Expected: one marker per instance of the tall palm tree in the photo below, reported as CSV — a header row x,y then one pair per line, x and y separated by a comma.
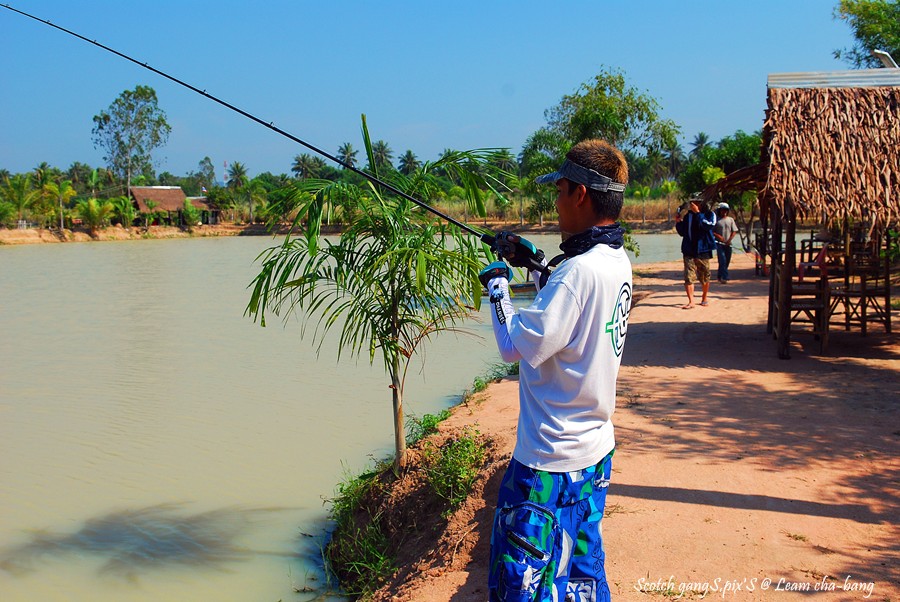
x,y
63,193
505,161
383,155
674,159
657,165
79,173
701,141
347,154
307,166
409,163
43,174
237,182
93,181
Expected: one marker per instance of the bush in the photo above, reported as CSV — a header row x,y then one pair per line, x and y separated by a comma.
x,y
419,428
358,550
452,468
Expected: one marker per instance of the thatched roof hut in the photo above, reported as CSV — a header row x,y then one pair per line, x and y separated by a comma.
x,y
830,154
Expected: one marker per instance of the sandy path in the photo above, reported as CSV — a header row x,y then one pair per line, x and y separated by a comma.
x,y
736,472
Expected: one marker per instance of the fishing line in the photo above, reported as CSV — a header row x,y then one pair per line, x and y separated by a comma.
x,y
486,238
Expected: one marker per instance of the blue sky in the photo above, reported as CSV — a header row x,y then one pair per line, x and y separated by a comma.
x,y
429,76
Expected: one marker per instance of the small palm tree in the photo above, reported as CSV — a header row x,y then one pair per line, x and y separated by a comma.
x,y
642,192
123,209
94,214
394,279
20,194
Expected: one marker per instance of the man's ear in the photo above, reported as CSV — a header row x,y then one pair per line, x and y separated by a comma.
x,y
583,195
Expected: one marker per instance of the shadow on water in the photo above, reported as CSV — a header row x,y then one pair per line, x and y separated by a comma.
x,y
143,540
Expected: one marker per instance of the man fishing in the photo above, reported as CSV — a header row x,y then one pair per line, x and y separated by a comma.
x,y
546,542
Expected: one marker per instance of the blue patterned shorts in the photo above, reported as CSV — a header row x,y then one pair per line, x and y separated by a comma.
x,y
547,543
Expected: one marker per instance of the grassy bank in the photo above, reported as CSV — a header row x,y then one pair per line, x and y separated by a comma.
x,y
379,513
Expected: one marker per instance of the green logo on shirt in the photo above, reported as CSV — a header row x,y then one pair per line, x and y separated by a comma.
x,y
618,324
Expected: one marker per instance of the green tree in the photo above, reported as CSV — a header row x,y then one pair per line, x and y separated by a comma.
x,y
7,211
382,155
62,193
712,174
393,280
237,181
675,158
44,174
409,163
129,131
875,25
190,214
347,154
79,173
643,193
701,141
124,210
93,182
542,153
94,214
19,192
730,154
307,166
206,173
608,108
668,188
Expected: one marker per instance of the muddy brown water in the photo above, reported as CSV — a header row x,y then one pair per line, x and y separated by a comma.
x,y
156,444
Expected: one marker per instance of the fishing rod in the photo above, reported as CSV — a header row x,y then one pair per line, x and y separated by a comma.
x,y
520,252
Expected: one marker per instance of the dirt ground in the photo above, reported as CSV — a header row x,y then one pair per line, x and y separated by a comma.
x,y
737,475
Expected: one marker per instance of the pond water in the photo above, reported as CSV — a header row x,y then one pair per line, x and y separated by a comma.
x,y
156,444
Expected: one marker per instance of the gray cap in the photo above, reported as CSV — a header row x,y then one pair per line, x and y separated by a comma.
x,y
581,175
723,206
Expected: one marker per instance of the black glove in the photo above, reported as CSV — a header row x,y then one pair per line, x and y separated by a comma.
x,y
520,253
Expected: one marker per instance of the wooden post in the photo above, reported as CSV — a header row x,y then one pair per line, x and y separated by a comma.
x,y
787,274
774,254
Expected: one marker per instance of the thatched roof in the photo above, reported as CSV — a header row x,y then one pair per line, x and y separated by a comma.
x,y
740,180
167,198
831,143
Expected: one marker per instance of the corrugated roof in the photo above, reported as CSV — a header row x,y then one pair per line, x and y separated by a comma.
x,y
858,78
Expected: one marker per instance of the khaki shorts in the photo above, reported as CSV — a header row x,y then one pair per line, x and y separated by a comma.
x,y
696,269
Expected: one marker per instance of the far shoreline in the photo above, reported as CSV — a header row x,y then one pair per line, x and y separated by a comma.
x,y
11,237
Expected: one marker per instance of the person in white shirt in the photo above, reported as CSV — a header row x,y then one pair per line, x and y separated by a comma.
x,y
724,231
546,542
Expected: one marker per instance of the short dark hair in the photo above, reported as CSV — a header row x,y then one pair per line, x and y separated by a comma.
x,y
605,159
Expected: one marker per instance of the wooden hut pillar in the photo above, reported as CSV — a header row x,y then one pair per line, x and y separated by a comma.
x,y
786,280
771,254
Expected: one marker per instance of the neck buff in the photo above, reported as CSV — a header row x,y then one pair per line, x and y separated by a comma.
x,y
612,235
